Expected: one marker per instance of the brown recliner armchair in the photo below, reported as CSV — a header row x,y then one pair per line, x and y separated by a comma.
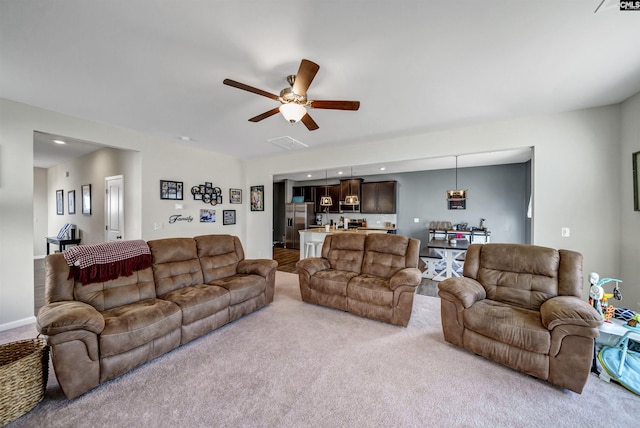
x,y
520,305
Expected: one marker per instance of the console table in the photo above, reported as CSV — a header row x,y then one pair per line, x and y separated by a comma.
x,y
61,243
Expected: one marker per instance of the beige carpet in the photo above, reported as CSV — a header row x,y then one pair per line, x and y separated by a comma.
x,y
293,364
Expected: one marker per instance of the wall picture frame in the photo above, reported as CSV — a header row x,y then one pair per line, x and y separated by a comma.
x,y
636,181
60,202
228,217
257,198
171,189
207,216
71,197
86,199
235,196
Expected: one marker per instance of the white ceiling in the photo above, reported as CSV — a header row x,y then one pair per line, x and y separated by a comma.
x,y
415,65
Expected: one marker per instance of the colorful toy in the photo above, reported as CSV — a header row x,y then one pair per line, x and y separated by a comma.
x,y
598,298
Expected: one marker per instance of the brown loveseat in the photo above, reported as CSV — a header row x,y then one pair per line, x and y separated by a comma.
x,y
520,305
374,276
101,330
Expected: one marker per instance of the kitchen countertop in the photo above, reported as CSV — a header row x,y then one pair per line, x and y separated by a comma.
x,y
352,230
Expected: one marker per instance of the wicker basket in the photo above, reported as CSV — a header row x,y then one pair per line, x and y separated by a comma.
x,y
24,370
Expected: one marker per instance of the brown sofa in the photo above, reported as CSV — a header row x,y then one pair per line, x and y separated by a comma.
x,y
374,276
520,305
99,331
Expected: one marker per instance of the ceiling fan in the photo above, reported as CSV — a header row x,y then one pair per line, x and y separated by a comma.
x,y
293,99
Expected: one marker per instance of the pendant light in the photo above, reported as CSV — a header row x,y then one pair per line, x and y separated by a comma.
x,y
326,201
457,194
351,199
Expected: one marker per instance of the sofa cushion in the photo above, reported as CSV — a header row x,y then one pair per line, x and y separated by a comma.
x,y
242,287
521,275
386,254
199,301
175,264
117,292
345,251
331,281
219,255
371,289
508,324
129,326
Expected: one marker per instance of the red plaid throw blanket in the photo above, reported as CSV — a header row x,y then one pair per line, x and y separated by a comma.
x,y
103,262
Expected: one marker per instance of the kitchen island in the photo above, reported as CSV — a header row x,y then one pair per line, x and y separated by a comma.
x,y
316,235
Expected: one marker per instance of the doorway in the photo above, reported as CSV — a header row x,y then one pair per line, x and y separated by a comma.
x,y
114,208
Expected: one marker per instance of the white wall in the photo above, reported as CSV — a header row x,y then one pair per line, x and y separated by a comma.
x,y
158,159
40,214
575,174
629,219
92,169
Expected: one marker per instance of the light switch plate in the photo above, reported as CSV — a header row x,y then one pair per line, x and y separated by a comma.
x,y
566,232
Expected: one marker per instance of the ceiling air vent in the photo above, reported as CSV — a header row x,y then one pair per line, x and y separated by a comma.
x,y
288,143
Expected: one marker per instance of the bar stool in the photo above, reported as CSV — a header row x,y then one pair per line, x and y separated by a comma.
x,y
312,249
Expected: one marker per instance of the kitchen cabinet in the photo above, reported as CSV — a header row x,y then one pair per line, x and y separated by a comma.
x,y
307,192
378,197
334,192
350,187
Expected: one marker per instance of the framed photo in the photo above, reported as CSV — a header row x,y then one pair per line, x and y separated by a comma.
x,y
171,189
228,217
235,196
71,196
86,199
257,198
636,181
60,202
207,216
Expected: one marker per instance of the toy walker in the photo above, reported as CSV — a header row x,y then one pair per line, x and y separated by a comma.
x,y
620,363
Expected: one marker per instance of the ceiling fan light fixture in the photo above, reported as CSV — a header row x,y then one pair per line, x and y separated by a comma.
x,y
292,112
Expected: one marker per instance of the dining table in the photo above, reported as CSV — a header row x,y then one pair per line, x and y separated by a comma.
x,y
450,251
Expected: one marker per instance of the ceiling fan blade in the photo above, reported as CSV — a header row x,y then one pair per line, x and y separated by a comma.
x,y
248,88
305,75
265,115
309,123
335,105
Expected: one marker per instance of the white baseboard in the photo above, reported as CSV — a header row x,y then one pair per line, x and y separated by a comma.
x,y
17,323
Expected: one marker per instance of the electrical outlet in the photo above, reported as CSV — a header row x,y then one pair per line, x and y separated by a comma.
x,y
416,220
566,232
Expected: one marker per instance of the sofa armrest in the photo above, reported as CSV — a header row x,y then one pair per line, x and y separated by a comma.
x,y
568,310
313,265
406,276
260,267
464,290
60,317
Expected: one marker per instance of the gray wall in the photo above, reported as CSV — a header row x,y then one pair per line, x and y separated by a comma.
x,y
499,194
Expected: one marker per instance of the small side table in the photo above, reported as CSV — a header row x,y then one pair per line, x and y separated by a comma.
x,y
61,243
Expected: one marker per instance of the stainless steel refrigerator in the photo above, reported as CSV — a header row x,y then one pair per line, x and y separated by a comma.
x,y
298,217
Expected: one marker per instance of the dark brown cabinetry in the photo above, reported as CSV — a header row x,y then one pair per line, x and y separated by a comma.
x,y
350,187
305,191
334,192
378,197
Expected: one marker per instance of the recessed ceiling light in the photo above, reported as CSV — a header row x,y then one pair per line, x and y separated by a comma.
x,y
185,138
382,168
339,172
59,142
309,175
